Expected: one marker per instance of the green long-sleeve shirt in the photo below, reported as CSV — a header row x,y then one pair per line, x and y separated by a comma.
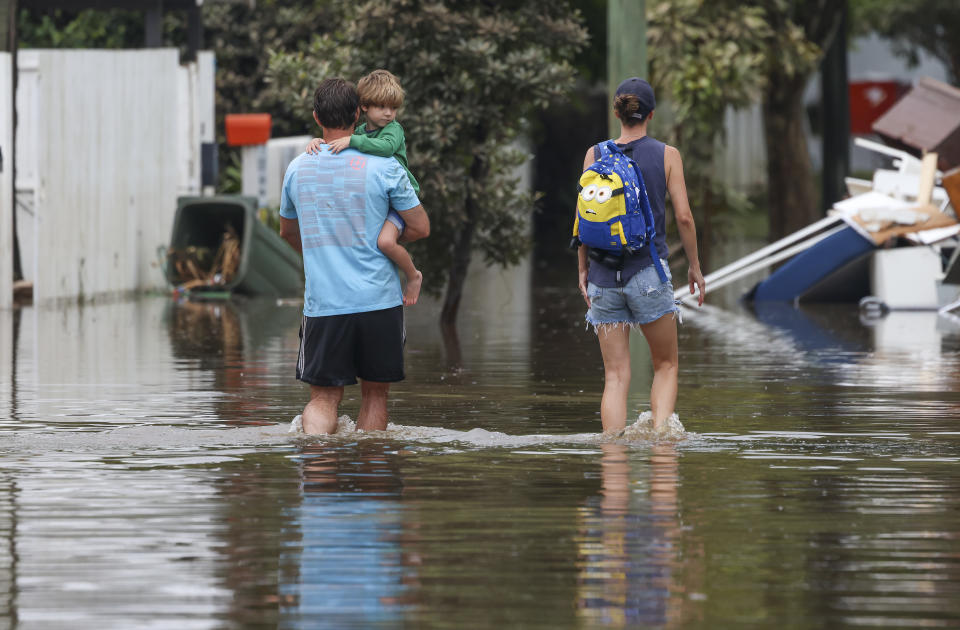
x,y
387,141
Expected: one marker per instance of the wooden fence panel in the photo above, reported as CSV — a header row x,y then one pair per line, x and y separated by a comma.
x,y
106,141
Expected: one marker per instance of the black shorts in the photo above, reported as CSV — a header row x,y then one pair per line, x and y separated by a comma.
x,y
338,349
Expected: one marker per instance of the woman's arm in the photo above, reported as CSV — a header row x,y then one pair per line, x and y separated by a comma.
x,y
673,166
583,263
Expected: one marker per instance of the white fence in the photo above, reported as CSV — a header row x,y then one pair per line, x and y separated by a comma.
x,y
6,180
106,140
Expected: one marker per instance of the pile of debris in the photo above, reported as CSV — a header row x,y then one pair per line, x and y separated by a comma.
x,y
196,267
896,240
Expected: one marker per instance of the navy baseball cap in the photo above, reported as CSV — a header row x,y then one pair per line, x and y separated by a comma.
x,y
643,91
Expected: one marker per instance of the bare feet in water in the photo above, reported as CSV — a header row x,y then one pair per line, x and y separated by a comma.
x,y
412,291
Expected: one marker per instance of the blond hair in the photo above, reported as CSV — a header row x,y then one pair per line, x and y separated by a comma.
x,y
380,88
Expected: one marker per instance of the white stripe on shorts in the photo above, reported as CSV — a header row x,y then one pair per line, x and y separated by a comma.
x,y
303,338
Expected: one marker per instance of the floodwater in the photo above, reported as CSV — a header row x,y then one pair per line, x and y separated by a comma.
x,y
147,479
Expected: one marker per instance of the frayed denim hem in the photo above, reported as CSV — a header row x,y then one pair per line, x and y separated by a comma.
x,y
598,325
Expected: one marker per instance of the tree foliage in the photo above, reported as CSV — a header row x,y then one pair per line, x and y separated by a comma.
x,y
243,37
79,29
472,72
705,55
931,26
708,55
808,27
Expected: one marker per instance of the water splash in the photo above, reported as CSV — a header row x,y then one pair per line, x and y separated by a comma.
x,y
643,429
640,431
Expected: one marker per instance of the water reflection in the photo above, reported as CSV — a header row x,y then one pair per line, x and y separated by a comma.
x,y
8,552
629,551
351,570
242,344
820,490
111,363
90,543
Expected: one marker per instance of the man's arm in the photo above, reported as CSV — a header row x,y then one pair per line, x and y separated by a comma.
x,y
386,144
290,232
417,224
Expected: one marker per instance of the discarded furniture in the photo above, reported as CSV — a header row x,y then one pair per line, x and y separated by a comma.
x,y
926,119
895,241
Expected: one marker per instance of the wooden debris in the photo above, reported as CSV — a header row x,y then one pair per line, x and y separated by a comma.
x,y
23,292
195,268
882,229
951,182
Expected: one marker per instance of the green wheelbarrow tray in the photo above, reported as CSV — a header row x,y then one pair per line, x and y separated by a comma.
x,y
268,265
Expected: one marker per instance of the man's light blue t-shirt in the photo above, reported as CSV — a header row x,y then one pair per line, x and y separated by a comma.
x,y
341,202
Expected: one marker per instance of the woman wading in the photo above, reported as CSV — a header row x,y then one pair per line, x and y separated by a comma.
x,y
632,294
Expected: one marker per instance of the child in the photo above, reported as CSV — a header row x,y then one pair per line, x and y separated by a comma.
x,y
380,98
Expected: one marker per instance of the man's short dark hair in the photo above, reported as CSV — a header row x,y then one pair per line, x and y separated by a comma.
x,y
335,103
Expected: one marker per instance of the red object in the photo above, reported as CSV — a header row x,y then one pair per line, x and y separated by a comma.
x,y
244,129
871,99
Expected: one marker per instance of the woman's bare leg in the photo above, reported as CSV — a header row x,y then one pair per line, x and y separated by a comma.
x,y
615,348
661,336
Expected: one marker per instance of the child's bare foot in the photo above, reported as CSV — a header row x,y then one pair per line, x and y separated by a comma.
x,y
412,290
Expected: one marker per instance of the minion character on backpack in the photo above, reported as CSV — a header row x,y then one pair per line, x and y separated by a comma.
x,y
613,212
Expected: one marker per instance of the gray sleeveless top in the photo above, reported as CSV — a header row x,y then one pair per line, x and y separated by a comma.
x,y
648,154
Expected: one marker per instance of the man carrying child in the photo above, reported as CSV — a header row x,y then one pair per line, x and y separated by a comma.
x,y
380,97
333,208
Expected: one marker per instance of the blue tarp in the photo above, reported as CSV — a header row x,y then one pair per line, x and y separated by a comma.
x,y
811,266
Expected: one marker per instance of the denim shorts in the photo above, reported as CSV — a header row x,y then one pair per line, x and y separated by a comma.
x,y
642,299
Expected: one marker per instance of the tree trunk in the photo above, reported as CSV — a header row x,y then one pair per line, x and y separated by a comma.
x,y
458,268
455,281
462,252
793,200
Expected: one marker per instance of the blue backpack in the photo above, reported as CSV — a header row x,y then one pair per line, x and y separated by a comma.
x,y
613,211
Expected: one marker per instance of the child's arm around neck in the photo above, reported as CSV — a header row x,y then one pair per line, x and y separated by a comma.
x,y
388,141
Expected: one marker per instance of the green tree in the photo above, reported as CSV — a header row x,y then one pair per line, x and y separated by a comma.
x,y
802,31
472,72
710,55
705,56
79,29
921,25
243,38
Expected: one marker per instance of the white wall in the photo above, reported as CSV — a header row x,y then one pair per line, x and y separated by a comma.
x,y
106,141
195,118
264,165
6,180
742,157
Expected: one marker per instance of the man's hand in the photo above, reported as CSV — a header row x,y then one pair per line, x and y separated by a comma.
x,y
314,146
695,278
583,286
338,145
